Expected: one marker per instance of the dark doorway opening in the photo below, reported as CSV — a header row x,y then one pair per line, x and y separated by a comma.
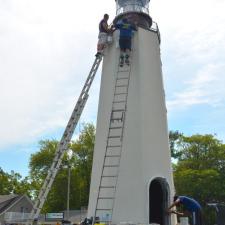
x,y
158,201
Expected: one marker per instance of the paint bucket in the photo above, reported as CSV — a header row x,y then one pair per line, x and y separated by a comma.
x,y
184,221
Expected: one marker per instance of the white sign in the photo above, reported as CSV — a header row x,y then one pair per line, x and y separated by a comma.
x,y
54,216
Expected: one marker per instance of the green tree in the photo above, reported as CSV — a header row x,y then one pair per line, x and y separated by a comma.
x,y
174,139
40,163
201,163
80,163
4,183
83,149
200,169
13,183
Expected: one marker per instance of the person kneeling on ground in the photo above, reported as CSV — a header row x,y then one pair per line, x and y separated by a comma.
x,y
192,208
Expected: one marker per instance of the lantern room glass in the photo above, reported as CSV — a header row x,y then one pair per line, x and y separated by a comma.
x,y
124,6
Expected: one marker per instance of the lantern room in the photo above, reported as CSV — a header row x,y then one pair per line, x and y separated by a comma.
x,y
136,11
124,6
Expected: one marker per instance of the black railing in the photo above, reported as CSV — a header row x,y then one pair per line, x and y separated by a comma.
x,y
155,29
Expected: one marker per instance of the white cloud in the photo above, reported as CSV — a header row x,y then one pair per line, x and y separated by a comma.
x,y
193,41
47,47
46,50
207,87
192,29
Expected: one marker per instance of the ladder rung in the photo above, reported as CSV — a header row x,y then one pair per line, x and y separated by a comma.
x,y
124,85
111,165
107,186
104,209
122,93
113,146
109,176
118,118
119,101
123,71
113,128
111,156
122,78
118,110
106,198
116,136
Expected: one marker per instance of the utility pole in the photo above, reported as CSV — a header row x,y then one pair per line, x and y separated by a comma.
x,y
69,154
68,193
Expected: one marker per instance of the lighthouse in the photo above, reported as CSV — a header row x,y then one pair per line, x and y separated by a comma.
x,y
131,179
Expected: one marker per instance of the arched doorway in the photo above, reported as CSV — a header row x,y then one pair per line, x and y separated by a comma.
x,y
158,201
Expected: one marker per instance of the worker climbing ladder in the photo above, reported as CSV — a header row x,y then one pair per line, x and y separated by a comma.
x,y
63,144
110,170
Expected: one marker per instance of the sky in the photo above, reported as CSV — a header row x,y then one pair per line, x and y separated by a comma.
x,y
47,48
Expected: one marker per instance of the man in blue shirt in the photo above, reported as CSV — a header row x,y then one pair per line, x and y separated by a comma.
x,y
126,31
192,208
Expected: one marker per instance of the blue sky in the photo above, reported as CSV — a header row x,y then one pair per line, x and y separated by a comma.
x,y
47,48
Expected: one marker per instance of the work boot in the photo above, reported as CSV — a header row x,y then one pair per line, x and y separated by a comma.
x,y
121,60
98,54
127,61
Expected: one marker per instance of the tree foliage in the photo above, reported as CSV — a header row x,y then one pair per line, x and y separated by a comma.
x,y
200,169
80,165
83,149
174,139
201,164
13,183
198,163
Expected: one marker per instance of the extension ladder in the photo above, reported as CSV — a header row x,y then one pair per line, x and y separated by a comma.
x,y
110,170
63,144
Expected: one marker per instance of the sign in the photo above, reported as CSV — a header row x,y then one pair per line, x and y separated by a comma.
x,y
54,216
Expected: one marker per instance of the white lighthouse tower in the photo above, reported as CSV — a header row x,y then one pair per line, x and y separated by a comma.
x,y
131,175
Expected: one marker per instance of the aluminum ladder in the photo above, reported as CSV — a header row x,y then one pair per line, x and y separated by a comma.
x,y
64,142
110,170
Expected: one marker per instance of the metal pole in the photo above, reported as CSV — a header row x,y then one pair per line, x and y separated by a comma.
x,y
68,194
